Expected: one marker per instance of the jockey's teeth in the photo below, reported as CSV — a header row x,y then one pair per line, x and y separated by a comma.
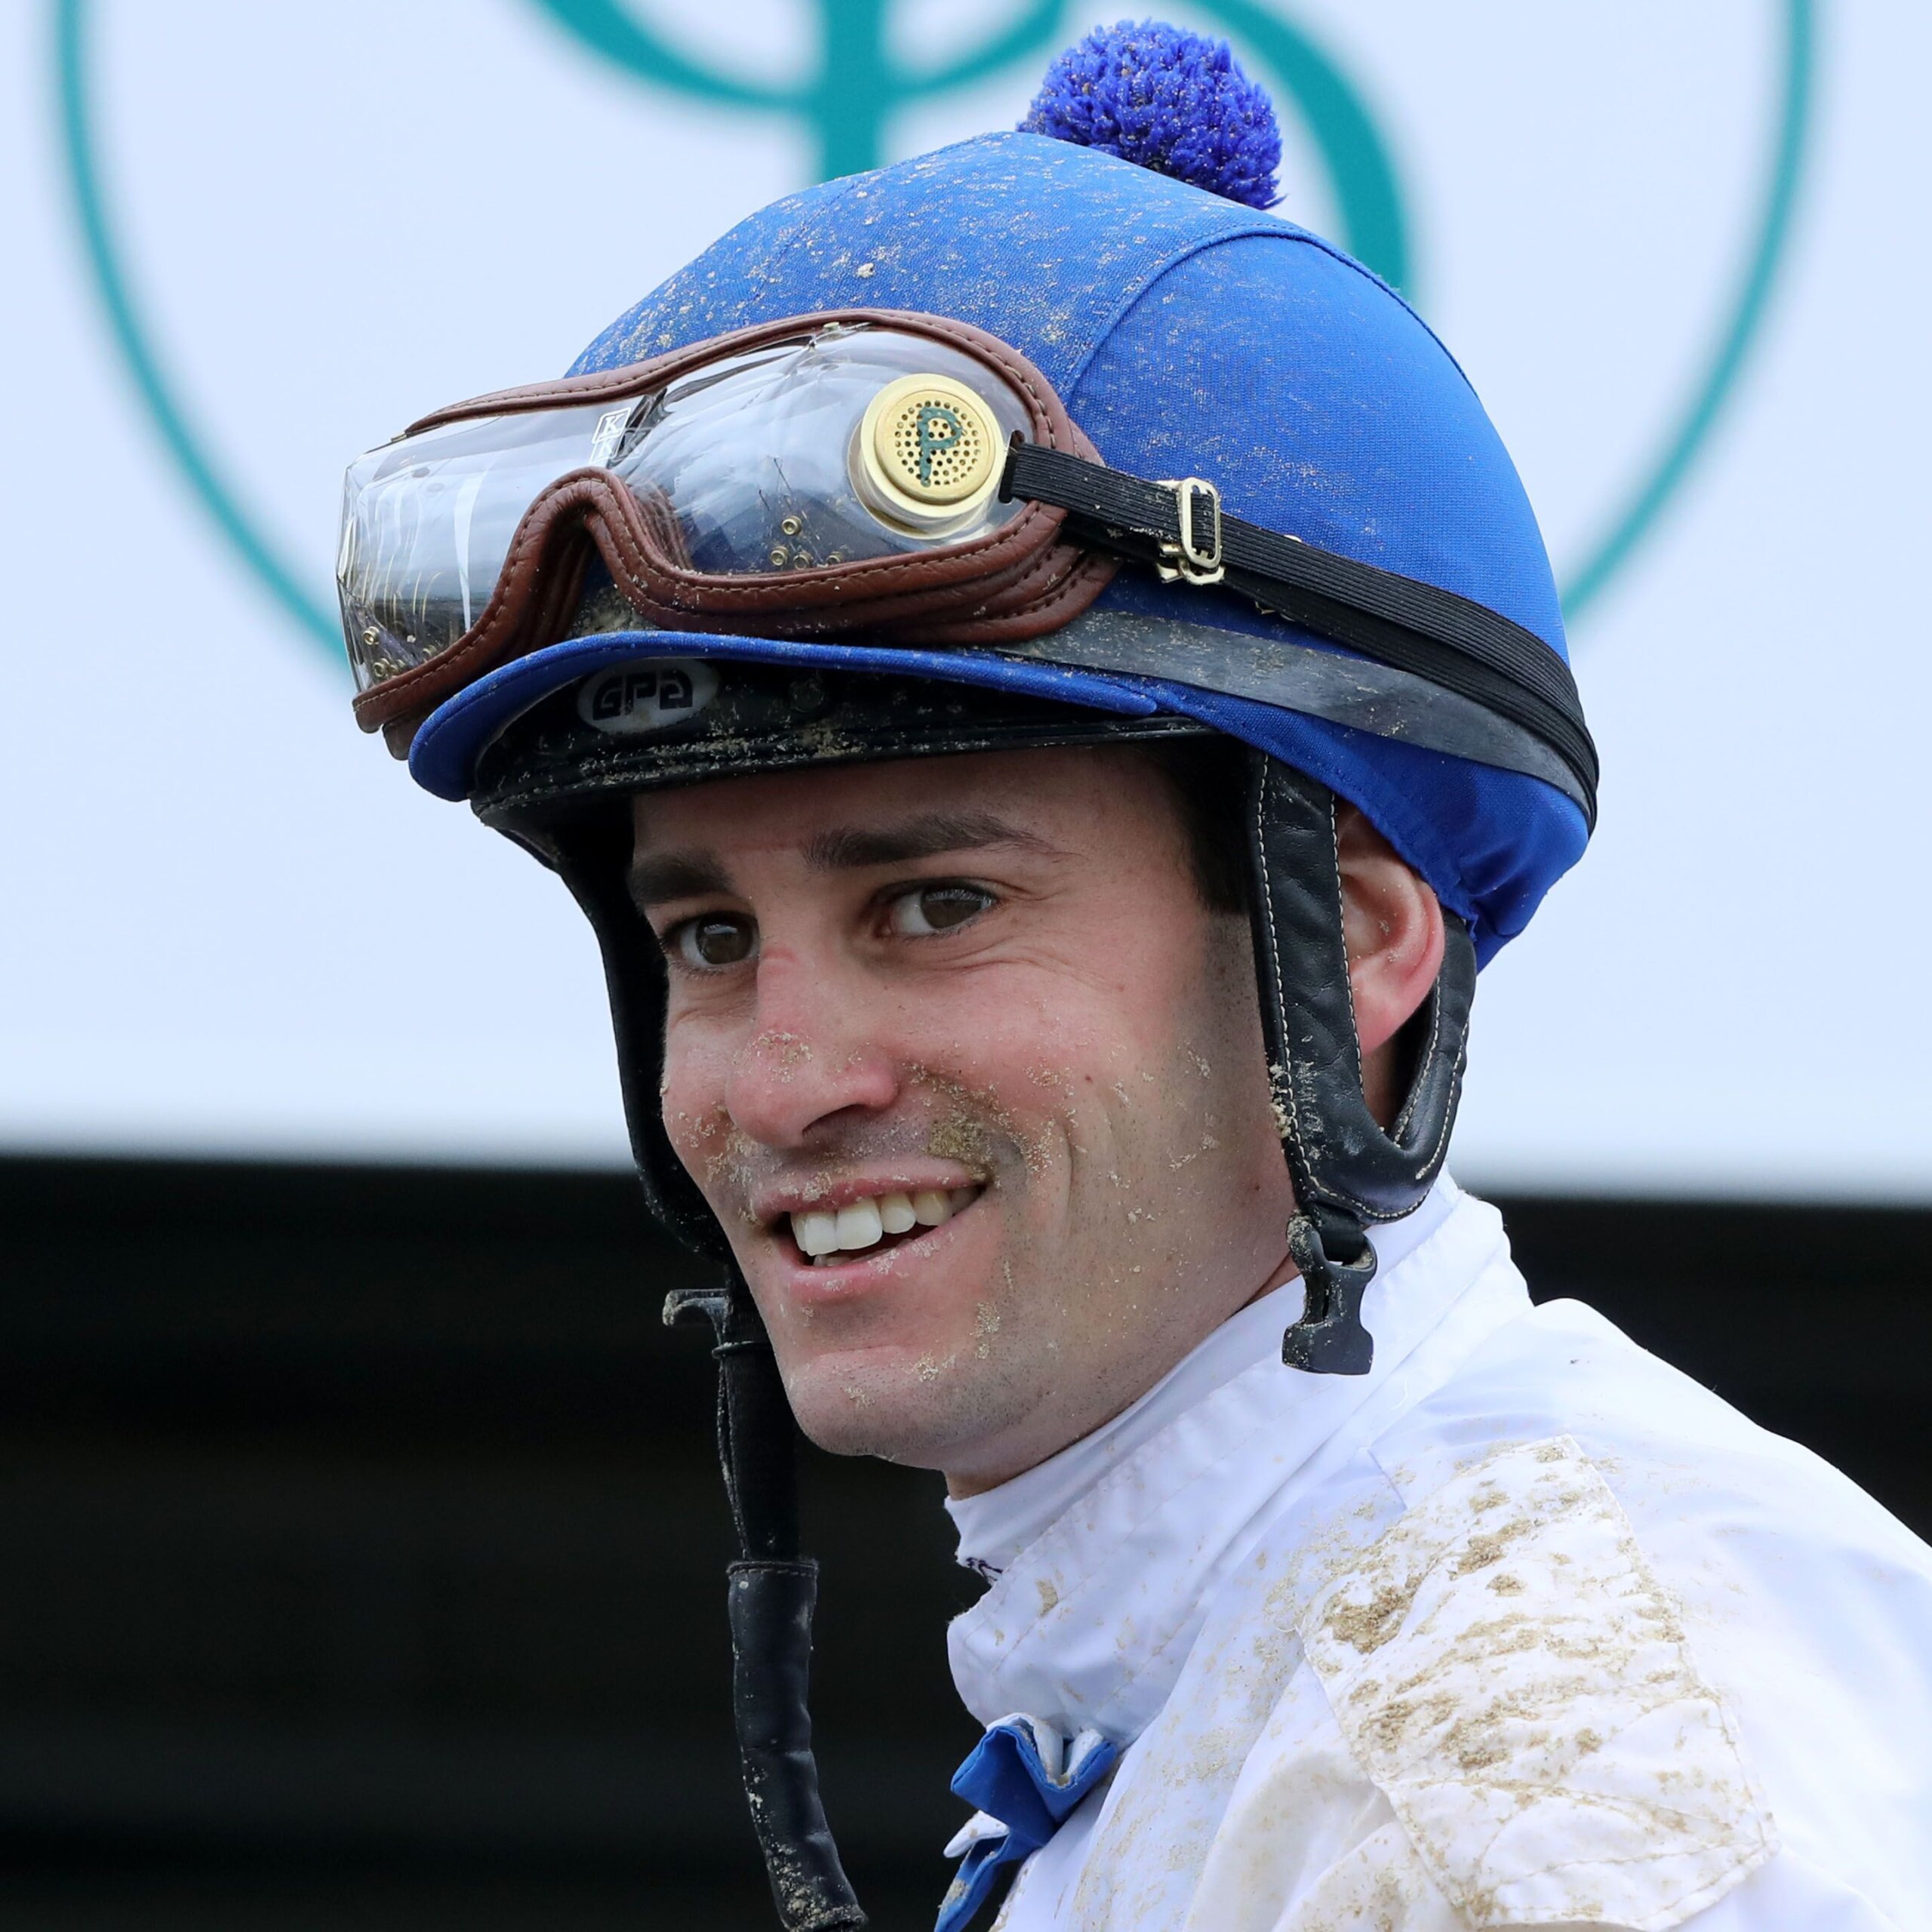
x,y
815,1233
821,1232
859,1225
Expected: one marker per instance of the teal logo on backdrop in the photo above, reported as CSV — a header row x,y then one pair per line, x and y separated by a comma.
x,y
845,104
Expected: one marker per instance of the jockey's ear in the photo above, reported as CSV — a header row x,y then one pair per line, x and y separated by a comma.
x,y
1392,925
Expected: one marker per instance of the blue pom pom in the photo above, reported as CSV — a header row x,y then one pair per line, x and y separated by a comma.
x,y
1175,102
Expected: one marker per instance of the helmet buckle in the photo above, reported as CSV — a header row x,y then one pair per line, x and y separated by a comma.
x,y
1190,560
1329,1338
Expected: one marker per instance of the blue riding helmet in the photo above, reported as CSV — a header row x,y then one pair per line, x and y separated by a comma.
x,y
1188,337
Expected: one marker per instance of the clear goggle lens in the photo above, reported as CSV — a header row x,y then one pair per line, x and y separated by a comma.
x,y
849,443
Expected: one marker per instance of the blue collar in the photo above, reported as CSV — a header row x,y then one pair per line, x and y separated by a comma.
x,y
1026,1780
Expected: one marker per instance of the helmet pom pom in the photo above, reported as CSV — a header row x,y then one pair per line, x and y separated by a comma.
x,y
1175,102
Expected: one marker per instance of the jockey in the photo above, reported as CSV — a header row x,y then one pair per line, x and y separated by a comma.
x,y
1048,686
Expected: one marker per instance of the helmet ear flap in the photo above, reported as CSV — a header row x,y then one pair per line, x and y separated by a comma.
x,y
593,857
1347,1171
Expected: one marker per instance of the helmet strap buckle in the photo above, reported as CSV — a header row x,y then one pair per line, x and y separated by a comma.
x,y
1191,560
1336,1264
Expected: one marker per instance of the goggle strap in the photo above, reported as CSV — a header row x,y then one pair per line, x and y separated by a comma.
x,y
1181,529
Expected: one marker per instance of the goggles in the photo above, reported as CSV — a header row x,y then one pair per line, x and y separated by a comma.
x,y
825,474
905,479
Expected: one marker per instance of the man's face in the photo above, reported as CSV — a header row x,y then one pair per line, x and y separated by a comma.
x,y
967,1018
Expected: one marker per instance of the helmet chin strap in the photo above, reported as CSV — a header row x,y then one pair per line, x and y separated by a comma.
x,y
772,1590
1348,1173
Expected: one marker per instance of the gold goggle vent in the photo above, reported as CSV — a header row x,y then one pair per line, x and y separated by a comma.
x,y
928,453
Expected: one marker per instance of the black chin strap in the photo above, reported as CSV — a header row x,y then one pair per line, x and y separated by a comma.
x,y
772,1592
1347,1173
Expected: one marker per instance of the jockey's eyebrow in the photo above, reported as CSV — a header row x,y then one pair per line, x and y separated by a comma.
x,y
655,878
849,848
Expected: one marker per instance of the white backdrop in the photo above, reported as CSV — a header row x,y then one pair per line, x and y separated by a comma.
x,y
228,923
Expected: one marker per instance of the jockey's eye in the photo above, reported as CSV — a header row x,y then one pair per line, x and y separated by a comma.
x,y
925,911
712,940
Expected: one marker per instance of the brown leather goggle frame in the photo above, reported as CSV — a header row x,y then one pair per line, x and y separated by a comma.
x,y
1021,580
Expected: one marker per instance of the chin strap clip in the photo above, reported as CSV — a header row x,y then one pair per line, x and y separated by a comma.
x,y
1336,1264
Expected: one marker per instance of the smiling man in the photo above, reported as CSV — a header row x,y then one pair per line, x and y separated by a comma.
x,y
1047,686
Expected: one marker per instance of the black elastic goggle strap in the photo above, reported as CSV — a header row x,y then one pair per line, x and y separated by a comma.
x,y
1451,640
772,1592
1347,1172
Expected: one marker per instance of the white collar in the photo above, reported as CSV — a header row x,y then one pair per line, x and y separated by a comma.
x,y
1106,1553
996,1525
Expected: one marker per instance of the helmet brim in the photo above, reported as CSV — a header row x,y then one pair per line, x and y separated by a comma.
x,y
443,758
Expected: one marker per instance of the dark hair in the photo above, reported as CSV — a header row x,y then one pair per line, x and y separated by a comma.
x,y
1207,777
